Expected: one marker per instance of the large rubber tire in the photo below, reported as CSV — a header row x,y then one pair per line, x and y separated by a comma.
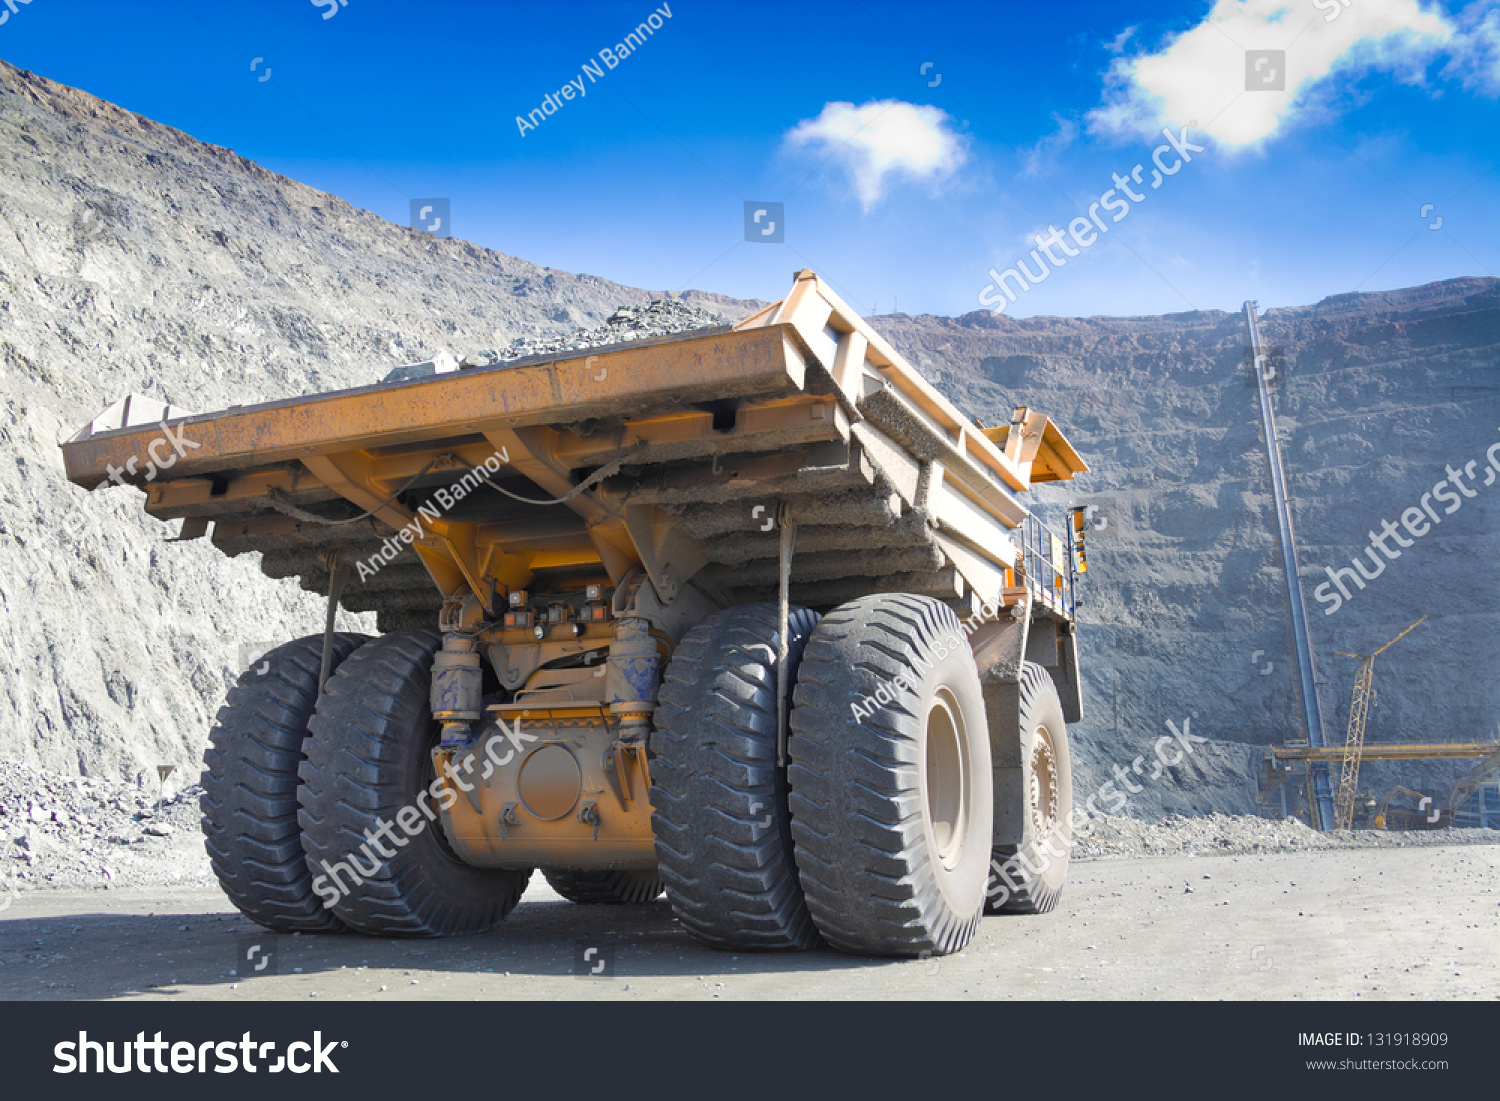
x,y
249,800
718,797
891,803
608,888
369,758
1028,878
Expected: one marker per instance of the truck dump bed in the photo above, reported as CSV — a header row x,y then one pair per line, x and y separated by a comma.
x,y
691,451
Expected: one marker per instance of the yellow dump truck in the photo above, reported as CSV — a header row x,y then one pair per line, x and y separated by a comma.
x,y
751,615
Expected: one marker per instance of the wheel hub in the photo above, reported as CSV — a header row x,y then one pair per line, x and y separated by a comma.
x,y
946,781
1043,794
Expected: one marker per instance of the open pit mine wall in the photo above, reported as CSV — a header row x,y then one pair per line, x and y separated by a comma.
x,y
1378,395
134,258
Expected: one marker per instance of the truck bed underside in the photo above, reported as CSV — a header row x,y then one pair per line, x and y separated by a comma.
x,y
701,447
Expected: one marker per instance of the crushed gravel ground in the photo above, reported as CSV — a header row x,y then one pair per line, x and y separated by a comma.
x,y
1387,924
70,832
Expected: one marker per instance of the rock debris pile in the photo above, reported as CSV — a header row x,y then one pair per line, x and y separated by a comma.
x,y
659,317
1237,834
71,832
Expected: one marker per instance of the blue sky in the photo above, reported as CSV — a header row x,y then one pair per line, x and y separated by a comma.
x,y
902,182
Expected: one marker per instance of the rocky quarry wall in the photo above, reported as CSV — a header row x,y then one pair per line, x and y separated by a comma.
x,y
134,258
1378,396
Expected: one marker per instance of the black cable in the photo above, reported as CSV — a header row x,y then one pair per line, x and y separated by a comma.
x,y
281,504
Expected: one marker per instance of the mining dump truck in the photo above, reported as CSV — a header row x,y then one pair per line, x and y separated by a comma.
x,y
750,615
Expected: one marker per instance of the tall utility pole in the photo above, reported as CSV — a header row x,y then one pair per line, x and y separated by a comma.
x,y
1321,795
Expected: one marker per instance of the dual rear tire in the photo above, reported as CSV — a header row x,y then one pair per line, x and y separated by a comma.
x,y
718,796
876,837
1034,796
317,813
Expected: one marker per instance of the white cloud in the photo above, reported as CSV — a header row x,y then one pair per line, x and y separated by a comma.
x,y
1198,77
1118,45
1476,60
881,141
1042,156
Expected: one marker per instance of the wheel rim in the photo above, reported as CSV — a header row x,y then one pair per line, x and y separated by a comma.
x,y
946,780
1044,790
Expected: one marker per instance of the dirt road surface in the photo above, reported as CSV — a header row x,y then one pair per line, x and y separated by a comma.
x,y
1371,924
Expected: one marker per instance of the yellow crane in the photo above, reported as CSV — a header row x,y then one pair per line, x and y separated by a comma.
x,y
1354,740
